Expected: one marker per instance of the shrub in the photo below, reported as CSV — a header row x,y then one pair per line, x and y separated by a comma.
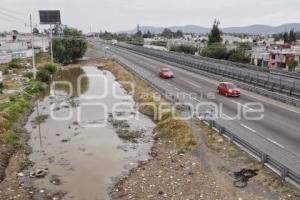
x,y
13,63
28,75
35,87
51,68
5,71
217,52
159,43
189,49
43,76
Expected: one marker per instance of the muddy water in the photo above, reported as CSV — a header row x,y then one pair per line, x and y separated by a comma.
x,y
77,145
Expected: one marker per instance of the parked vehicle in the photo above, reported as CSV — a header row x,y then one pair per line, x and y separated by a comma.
x,y
166,73
228,89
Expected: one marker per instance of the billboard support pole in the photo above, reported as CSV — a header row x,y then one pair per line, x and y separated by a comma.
x,y
32,47
51,44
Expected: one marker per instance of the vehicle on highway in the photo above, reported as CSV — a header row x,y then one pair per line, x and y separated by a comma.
x,y
228,89
166,73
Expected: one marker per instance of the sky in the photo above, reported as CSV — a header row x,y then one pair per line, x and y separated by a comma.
x,y
123,15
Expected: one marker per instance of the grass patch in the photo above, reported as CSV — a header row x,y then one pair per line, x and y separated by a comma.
x,y
41,119
12,139
41,59
154,106
178,132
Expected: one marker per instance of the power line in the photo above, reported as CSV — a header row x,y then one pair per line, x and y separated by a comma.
x,y
15,12
3,18
11,16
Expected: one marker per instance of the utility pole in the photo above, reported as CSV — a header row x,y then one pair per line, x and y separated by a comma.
x,y
51,44
32,47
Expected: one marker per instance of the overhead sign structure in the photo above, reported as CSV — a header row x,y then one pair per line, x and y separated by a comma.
x,y
50,17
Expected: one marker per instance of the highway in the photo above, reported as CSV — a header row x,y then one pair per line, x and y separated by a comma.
x,y
278,133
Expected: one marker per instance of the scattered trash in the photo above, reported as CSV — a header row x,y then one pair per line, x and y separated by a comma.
x,y
55,180
65,140
39,173
21,174
242,177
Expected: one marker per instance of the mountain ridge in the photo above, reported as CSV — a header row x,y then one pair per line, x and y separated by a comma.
x,y
256,29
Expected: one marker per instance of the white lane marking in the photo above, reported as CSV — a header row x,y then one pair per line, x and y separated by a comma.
x,y
245,92
250,129
227,116
191,83
176,88
246,107
196,99
238,103
276,143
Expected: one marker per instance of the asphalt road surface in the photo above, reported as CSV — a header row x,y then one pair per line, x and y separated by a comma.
x,y
279,130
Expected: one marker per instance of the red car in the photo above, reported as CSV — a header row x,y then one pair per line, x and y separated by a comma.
x,y
166,73
229,89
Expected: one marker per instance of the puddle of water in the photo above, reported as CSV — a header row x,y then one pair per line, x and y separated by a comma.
x,y
84,151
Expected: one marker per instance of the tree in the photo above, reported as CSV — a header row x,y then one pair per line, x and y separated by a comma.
x,y
179,34
70,48
167,33
215,35
286,37
35,31
189,49
292,66
292,36
147,35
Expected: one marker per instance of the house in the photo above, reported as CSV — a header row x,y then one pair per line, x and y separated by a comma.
x,y
282,55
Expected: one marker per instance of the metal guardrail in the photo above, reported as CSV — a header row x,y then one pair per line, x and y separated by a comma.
x,y
280,168
283,90
284,171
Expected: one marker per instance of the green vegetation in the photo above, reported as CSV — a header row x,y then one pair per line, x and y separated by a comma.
x,y
12,111
44,74
150,104
292,66
168,33
35,87
70,48
159,43
215,35
287,37
184,48
13,63
217,51
12,139
135,39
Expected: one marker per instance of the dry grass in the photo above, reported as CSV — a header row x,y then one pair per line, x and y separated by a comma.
x,y
178,132
154,106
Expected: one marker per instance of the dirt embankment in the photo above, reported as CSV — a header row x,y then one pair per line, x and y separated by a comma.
x,y
191,161
17,100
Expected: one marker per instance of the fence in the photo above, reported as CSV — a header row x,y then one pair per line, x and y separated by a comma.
x,y
276,87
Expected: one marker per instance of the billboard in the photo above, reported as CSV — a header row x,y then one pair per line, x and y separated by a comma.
x,y
50,17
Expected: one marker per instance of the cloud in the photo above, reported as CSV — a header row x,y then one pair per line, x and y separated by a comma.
x,y
117,15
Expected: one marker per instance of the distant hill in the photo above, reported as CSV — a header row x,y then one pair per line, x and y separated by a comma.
x,y
253,29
